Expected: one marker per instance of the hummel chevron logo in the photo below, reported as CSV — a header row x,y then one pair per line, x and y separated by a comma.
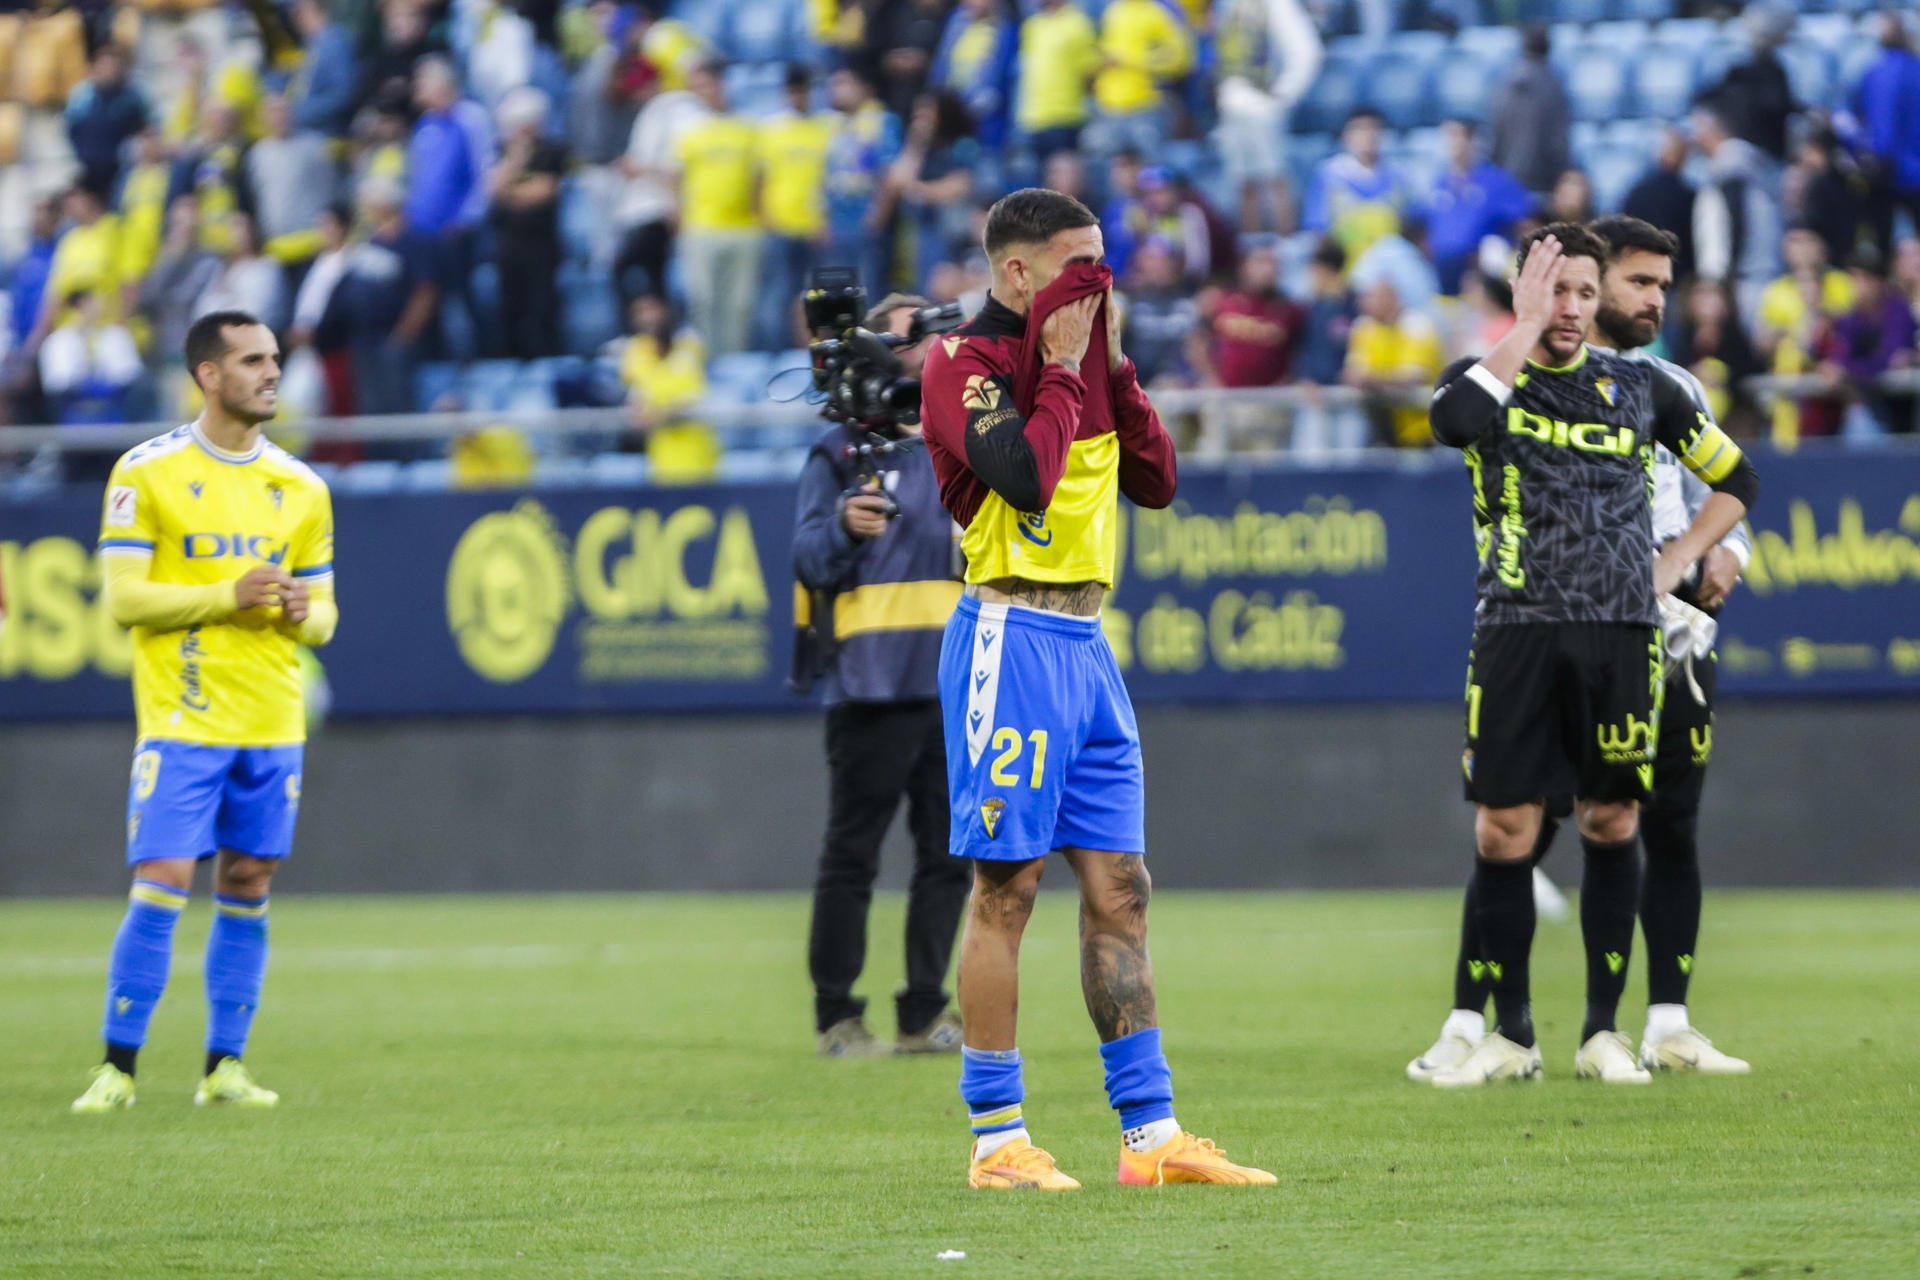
x,y
1685,963
980,679
1615,961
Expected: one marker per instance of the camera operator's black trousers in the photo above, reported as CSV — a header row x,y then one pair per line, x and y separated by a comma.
x,y
876,751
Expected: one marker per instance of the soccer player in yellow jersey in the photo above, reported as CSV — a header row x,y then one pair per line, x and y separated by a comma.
x,y
217,550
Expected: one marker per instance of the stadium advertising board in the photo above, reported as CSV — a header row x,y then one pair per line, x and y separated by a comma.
x,y
1256,585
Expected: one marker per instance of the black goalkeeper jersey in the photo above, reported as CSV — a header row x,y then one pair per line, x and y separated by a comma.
x,y
1562,469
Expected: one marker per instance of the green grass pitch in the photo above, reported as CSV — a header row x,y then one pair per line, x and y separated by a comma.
x,y
601,1086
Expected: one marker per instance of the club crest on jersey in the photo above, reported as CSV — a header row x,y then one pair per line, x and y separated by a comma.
x,y
990,811
1608,391
275,492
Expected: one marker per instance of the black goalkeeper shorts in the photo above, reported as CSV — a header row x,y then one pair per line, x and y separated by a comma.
x,y
1562,708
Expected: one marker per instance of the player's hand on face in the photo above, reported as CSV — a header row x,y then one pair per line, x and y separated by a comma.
x,y
264,584
1065,335
1718,576
865,513
1533,290
297,602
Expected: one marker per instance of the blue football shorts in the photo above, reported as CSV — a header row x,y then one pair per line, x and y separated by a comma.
x,y
1043,751
190,800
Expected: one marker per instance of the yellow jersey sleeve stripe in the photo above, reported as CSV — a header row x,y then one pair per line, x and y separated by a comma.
x,y
1713,455
157,896
894,606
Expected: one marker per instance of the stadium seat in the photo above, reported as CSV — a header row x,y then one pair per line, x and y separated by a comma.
x,y
1334,92
485,385
1463,85
618,470
371,476
433,380
1852,64
1613,171
426,474
1641,136
1625,37
1399,88
1810,72
1597,84
1497,45
1831,31
1716,59
759,31
740,378
1584,12
577,216
1646,10
1425,45
1663,81
1688,33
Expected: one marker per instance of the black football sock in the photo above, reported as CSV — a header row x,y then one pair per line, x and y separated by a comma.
x,y
214,1058
122,1056
1471,984
1609,901
1670,901
1503,908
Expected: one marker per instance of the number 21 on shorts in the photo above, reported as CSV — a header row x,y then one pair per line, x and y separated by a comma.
x,y
1009,744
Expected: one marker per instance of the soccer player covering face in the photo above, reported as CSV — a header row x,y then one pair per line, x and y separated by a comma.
x,y
1032,449
1633,297
217,549
1565,677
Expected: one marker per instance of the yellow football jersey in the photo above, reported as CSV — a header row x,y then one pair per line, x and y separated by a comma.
x,y
202,516
1073,540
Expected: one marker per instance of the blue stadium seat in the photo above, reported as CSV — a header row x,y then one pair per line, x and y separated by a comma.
x,y
617,470
1333,93
1642,136
1597,84
759,31
708,17
426,474
1499,45
1400,88
1627,37
577,217
1663,81
1852,65
1831,31
1463,85
1716,59
1810,71
433,380
1425,45
1613,171
1581,11
740,378
485,385
1688,33
369,477
1583,137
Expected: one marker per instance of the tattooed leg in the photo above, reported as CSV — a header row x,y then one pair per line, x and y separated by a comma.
x,y
989,975
1116,975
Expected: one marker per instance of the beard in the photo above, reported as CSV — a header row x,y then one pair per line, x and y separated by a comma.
x,y
1626,332
248,410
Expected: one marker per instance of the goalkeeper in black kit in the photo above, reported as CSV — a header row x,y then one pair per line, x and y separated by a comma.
x,y
1565,675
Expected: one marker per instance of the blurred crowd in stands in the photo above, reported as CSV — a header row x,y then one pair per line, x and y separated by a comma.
x,y
462,203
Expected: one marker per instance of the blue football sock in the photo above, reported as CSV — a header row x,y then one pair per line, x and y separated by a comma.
x,y
1139,1082
236,967
991,1084
142,955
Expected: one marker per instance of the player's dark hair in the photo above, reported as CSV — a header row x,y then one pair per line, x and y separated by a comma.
x,y
1626,235
1364,112
1033,216
207,336
1329,254
1575,242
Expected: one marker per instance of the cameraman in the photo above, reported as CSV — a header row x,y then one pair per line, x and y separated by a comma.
x,y
880,576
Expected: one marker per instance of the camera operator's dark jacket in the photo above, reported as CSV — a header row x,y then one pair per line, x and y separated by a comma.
x,y
888,597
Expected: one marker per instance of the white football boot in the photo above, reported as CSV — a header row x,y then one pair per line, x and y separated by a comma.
x,y
1688,1050
1495,1058
1608,1058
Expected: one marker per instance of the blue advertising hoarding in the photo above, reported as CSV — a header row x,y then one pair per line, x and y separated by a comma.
x,y
1257,585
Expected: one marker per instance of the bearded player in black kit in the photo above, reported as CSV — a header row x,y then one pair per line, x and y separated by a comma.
x,y
1565,676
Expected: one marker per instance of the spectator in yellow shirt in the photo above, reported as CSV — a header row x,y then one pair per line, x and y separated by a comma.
x,y
793,205
1145,47
716,191
143,208
1391,351
87,261
1059,55
1795,312
665,371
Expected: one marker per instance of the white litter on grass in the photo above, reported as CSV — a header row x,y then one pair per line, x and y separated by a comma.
x,y
950,1255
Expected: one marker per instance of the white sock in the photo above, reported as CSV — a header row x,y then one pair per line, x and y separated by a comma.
x,y
1156,1133
1467,1024
1665,1020
988,1143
